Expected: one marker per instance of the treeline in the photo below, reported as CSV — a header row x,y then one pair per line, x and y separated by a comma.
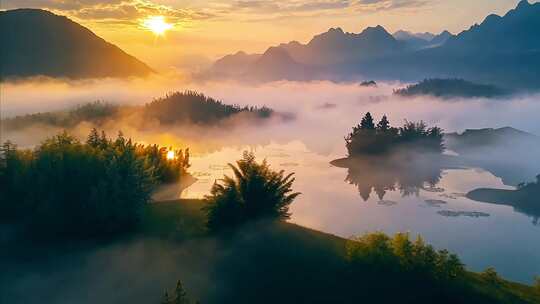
x,y
96,112
193,107
450,88
176,108
368,138
65,187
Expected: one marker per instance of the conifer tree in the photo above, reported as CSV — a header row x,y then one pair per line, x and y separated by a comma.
x,y
367,122
180,296
384,124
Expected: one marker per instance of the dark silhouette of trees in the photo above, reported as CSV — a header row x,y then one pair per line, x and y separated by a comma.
x,y
367,122
255,192
180,296
175,108
67,188
448,88
368,139
193,107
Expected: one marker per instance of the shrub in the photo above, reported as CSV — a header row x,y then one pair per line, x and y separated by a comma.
x,y
255,192
379,252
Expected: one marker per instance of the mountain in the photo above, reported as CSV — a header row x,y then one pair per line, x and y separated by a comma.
x,y
441,38
316,59
235,64
37,42
518,30
503,51
414,40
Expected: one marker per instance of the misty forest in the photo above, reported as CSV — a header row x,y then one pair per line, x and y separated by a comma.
x,y
269,151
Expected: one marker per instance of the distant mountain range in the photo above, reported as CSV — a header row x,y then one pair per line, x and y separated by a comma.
x,y
501,50
417,41
37,42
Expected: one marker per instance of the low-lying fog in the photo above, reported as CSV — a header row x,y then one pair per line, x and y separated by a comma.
x,y
336,200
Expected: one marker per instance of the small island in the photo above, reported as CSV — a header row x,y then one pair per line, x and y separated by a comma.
x,y
524,199
178,108
450,88
383,139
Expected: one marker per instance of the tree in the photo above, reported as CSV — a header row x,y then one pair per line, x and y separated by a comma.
x,y
93,189
537,283
254,192
180,294
384,124
367,122
93,139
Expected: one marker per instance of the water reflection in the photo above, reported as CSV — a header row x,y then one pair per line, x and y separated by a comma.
x,y
374,175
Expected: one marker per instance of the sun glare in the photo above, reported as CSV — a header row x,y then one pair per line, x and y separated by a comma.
x,y
157,25
171,155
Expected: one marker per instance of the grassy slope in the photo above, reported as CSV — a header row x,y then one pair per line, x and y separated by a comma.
x,y
183,219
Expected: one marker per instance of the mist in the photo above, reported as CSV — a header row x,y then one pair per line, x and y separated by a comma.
x,y
321,109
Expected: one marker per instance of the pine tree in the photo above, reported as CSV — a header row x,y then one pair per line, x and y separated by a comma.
x,y
384,124
93,139
180,296
367,122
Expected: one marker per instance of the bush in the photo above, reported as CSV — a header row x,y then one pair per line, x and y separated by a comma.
x,y
255,192
380,253
69,188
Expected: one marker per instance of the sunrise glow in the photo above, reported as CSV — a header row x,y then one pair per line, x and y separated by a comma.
x,y
157,25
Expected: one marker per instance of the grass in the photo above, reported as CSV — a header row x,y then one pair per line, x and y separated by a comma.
x,y
296,249
179,219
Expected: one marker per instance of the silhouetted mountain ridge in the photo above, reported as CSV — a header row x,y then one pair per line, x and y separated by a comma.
x,y
503,51
39,43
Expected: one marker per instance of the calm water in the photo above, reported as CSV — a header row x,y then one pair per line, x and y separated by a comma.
x,y
338,200
498,236
335,200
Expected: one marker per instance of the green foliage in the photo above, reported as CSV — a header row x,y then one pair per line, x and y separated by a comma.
x,y
176,108
450,88
379,252
193,107
254,192
537,283
69,188
95,112
366,138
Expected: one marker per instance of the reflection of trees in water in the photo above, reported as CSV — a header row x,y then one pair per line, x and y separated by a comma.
x,y
403,174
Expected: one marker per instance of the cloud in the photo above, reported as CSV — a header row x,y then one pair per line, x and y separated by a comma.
x,y
112,11
379,5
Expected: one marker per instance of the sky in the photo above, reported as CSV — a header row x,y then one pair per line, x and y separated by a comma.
x,y
206,30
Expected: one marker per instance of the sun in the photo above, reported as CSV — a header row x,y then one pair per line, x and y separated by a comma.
x,y
157,25
171,155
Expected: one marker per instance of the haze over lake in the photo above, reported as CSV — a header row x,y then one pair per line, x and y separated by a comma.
x,y
320,115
